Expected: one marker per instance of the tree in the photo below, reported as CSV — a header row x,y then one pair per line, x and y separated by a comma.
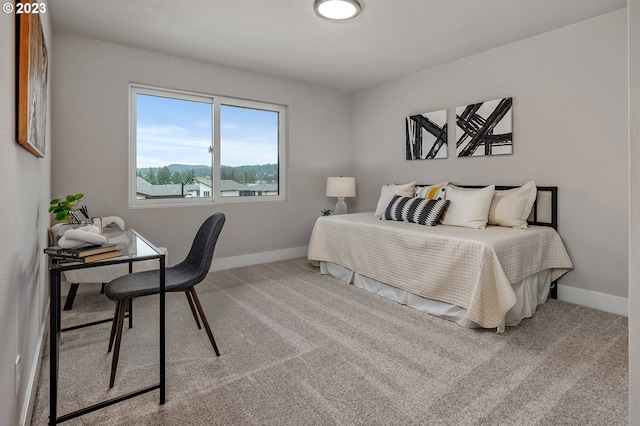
x,y
164,176
151,177
177,177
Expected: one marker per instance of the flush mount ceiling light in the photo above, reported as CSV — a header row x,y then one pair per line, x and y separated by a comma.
x,y
337,10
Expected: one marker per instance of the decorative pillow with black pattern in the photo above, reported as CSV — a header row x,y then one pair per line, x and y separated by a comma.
x,y
415,210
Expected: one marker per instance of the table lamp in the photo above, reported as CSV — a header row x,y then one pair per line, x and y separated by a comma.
x,y
341,187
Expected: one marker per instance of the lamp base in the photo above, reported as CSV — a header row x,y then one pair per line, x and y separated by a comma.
x,y
341,206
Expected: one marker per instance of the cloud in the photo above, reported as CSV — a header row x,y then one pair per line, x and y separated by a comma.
x,y
248,151
160,145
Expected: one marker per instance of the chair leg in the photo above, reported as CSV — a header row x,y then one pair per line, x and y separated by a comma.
x,y
193,308
68,304
114,326
204,319
130,310
115,321
122,307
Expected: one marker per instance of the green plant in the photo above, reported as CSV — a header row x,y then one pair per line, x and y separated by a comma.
x,y
325,212
62,206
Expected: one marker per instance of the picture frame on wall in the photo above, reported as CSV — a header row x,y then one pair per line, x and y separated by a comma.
x,y
426,135
33,74
484,128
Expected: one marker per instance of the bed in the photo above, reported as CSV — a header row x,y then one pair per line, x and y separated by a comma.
x,y
490,277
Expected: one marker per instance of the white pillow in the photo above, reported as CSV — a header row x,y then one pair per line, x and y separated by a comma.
x,y
512,207
468,207
435,192
388,191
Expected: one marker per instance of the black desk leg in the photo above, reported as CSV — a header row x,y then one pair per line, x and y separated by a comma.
x,y
54,344
130,304
162,330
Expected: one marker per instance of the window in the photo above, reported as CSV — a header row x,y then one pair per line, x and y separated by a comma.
x,y
188,148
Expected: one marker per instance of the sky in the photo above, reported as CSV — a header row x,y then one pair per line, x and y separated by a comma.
x,y
174,131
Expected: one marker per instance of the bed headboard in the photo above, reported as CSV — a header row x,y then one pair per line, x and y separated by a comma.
x,y
545,208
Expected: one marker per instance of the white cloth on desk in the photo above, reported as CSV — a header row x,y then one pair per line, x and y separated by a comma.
x,y
82,235
110,222
58,231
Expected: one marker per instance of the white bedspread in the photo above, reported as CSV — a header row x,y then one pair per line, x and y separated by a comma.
x,y
471,268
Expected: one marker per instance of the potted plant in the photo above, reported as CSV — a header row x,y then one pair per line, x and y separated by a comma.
x,y
62,206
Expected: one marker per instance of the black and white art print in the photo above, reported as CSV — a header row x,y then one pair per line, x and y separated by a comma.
x,y
484,128
427,135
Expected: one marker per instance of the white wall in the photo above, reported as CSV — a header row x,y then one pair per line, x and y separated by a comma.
x,y
90,116
634,229
569,90
25,198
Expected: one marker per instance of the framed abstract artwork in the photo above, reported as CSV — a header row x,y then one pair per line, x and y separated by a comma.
x,y
33,67
426,135
484,129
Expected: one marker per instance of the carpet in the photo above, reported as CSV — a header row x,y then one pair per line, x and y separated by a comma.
x,y
299,348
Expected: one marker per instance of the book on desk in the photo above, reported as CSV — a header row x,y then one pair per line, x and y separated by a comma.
x,y
85,253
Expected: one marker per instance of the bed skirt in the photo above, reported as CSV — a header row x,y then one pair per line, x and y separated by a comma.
x,y
530,292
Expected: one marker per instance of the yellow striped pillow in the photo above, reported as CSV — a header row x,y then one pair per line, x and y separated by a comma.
x,y
432,192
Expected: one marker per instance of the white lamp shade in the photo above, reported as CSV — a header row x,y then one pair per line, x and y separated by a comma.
x,y
341,186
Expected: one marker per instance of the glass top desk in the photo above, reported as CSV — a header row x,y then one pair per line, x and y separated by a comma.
x,y
135,248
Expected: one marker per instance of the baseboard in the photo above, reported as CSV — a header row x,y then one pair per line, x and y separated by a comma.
x,y
26,411
593,299
256,258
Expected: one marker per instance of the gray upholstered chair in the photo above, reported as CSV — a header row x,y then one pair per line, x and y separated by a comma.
x,y
181,277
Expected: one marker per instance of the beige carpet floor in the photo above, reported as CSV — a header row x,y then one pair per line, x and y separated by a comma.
x,y
298,348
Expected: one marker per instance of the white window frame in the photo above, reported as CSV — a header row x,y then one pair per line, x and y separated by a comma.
x,y
216,101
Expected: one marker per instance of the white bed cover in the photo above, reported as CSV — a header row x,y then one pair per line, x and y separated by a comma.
x,y
471,268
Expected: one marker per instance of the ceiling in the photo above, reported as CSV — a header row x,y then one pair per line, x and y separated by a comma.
x,y
285,38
